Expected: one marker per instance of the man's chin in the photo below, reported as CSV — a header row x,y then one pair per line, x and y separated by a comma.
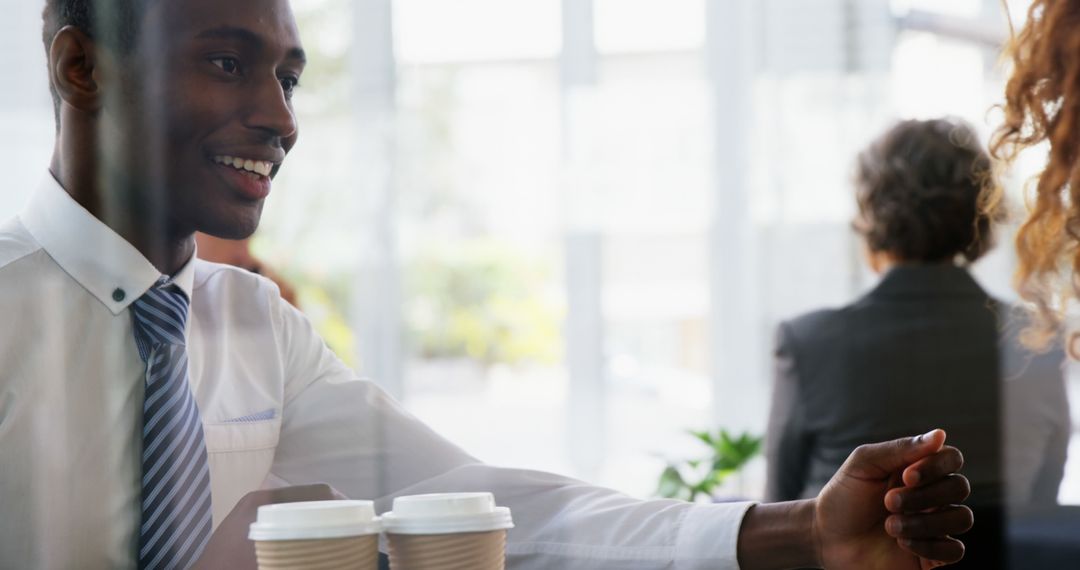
x,y
235,229
232,234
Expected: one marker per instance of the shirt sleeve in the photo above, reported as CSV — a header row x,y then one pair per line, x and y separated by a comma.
x,y
347,432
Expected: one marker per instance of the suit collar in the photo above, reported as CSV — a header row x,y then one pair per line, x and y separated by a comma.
x,y
937,280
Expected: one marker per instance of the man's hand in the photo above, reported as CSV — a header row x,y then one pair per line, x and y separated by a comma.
x,y
894,506
229,547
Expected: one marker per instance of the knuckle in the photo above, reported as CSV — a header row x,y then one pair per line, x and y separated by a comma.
x,y
862,452
912,499
912,526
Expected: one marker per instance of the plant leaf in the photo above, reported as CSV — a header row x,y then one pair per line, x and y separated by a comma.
x,y
704,436
728,454
671,483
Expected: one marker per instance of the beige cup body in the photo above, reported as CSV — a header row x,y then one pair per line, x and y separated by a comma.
x,y
461,551
354,552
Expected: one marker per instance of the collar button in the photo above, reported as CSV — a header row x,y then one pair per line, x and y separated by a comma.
x,y
119,295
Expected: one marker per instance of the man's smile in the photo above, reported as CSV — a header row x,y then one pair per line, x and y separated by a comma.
x,y
255,166
249,176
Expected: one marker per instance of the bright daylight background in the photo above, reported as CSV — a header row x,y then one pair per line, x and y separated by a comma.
x,y
563,233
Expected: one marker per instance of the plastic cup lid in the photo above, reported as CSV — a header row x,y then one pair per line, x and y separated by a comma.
x,y
446,513
315,520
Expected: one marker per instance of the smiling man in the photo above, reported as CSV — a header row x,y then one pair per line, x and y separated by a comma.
x,y
144,393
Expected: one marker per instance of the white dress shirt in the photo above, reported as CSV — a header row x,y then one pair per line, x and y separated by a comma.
x,y
278,408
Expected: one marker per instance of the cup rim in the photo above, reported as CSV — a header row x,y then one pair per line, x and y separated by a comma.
x,y
308,526
269,534
498,519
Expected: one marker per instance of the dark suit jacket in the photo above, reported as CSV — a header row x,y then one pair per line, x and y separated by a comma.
x,y
926,348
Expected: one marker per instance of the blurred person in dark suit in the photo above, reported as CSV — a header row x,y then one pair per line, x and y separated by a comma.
x,y
851,375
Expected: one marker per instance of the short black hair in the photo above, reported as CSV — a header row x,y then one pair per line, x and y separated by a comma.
x,y
920,190
110,23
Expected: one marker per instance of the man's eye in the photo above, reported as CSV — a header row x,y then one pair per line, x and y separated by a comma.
x,y
229,65
289,84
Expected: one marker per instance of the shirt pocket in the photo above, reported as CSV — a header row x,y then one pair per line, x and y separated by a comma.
x,y
231,437
240,456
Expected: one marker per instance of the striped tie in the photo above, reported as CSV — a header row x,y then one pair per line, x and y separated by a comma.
x,y
175,474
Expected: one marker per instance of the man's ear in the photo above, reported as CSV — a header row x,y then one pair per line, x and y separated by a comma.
x,y
73,69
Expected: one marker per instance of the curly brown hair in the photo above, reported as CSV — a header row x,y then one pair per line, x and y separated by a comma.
x,y
919,187
1042,104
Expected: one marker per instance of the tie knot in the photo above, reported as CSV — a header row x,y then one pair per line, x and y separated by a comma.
x,y
159,316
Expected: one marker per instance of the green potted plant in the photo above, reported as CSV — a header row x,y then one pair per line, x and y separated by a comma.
x,y
693,478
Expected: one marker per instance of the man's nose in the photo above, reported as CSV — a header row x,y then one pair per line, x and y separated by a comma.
x,y
269,110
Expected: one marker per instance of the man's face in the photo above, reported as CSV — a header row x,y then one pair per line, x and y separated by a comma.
x,y
208,110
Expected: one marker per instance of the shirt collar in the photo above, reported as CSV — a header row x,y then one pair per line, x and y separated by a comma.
x,y
95,256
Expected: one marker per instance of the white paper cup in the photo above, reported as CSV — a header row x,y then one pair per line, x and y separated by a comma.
x,y
317,535
448,531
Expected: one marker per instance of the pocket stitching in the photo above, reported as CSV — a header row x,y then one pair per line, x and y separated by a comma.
x,y
266,434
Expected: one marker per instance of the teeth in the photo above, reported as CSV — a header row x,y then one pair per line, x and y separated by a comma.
x,y
259,167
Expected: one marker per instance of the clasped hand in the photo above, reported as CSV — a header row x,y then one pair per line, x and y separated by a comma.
x,y
894,506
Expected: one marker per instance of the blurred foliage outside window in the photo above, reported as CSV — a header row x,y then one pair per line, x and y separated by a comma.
x,y
319,304
481,300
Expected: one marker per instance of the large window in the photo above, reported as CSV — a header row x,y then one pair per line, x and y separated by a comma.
x,y
549,256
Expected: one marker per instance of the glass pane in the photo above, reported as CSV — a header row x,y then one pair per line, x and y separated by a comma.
x,y
624,26
480,219
954,7
472,254
638,158
465,30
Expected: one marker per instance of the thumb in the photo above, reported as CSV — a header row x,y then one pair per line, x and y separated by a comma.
x,y
880,460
